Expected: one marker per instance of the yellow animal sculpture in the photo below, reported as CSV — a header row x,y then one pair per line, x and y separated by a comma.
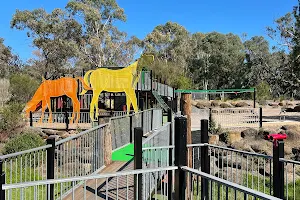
x,y
122,80
56,88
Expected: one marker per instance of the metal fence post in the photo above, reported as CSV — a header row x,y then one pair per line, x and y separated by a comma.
x,y
2,181
138,155
180,157
278,169
50,166
67,120
30,119
130,128
170,174
205,161
260,117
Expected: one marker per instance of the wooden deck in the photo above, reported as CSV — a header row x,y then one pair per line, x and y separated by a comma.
x,y
111,188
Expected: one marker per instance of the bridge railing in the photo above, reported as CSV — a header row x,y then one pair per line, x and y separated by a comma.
x,y
122,126
79,155
117,185
156,152
219,188
24,166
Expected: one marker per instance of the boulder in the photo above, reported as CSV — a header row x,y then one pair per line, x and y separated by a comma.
x,y
213,139
193,102
250,132
241,104
215,103
230,137
203,104
50,132
226,105
297,109
242,145
273,104
262,146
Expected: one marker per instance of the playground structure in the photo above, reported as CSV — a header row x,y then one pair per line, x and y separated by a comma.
x,y
103,93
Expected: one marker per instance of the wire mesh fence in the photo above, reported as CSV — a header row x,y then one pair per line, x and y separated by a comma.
x,y
235,117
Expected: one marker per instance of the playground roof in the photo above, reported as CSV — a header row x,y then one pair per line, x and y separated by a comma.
x,y
220,91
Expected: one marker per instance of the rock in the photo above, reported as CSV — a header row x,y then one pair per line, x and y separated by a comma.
x,y
226,105
273,104
230,137
282,103
203,104
215,103
50,132
242,145
250,132
60,133
289,127
241,104
296,152
213,139
297,109
233,103
262,147
194,103
65,135
232,160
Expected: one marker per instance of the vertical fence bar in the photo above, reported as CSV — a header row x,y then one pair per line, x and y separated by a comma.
x,y
205,160
130,129
138,134
50,166
170,174
180,157
2,181
254,98
30,119
278,169
67,120
260,117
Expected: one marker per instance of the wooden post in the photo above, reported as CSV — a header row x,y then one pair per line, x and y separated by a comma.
x,y
187,109
107,146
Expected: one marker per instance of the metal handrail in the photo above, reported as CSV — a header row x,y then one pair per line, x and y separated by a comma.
x,y
289,161
24,152
80,134
83,178
230,184
239,151
156,132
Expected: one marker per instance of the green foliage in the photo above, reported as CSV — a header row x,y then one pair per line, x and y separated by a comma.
x,y
10,117
281,98
263,91
213,128
22,87
23,142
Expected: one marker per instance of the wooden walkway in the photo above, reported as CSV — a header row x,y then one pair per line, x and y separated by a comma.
x,y
111,188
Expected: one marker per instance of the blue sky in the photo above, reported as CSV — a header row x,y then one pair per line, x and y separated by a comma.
x,y
236,16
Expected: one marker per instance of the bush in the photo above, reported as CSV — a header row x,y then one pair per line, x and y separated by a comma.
x,y
263,91
10,117
24,141
22,87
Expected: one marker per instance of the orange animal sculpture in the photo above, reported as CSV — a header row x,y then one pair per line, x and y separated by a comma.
x,y
55,88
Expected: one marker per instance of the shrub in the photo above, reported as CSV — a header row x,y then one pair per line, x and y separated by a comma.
x,y
263,91
22,87
10,117
24,141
